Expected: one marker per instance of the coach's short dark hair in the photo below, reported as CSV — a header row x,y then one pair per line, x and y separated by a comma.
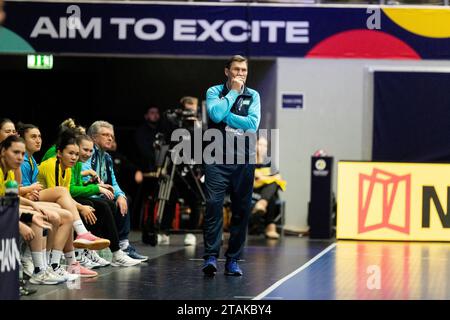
x,y
236,58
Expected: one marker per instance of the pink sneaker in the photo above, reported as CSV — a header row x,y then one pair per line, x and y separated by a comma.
x,y
77,268
89,241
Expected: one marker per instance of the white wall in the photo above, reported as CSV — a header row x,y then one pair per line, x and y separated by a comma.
x,y
337,117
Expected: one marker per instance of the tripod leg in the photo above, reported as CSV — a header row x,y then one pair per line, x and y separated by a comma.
x,y
161,192
199,187
165,194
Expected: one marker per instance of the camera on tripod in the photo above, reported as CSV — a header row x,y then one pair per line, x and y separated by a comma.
x,y
186,176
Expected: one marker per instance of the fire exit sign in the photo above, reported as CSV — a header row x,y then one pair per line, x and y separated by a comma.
x,y
40,61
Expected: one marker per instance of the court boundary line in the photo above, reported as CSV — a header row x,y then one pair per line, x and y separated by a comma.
x,y
292,274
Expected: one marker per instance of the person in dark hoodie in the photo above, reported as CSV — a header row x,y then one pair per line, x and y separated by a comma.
x,y
145,137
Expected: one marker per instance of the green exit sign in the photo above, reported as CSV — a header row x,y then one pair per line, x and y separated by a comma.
x,y
40,61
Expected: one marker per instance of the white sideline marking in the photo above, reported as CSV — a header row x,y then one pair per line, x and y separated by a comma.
x,y
303,267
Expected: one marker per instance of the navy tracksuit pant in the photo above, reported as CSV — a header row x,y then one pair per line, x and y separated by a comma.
x,y
220,179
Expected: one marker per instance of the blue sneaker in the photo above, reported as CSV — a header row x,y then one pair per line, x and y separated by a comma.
x,y
132,253
210,266
232,268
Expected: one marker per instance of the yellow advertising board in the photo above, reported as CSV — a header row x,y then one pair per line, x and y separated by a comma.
x,y
393,201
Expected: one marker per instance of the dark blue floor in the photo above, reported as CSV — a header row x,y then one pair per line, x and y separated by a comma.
x,y
313,281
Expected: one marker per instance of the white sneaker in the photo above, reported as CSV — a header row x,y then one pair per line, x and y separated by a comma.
x,y
51,273
46,277
120,259
28,266
163,239
190,239
66,275
94,257
83,259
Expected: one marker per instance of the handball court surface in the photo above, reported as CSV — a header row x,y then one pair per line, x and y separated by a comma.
x,y
292,268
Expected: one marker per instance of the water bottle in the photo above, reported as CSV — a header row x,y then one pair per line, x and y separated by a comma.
x,y
11,193
105,254
11,188
21,280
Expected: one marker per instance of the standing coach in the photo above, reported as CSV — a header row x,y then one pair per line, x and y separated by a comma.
x,y
232,108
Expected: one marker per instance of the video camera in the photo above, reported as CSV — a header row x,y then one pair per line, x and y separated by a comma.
x,y
181,118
